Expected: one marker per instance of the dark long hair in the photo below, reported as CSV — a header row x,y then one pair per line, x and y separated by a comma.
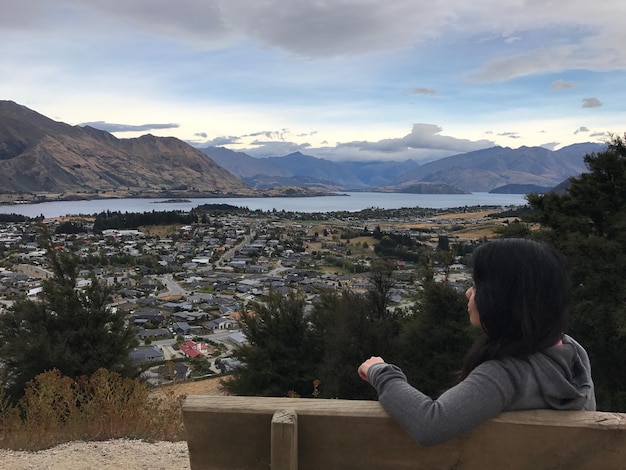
x,y
522,294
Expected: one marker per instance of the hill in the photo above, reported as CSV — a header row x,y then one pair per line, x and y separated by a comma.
x,y
38,154
41,156
488,169
297,169
479,171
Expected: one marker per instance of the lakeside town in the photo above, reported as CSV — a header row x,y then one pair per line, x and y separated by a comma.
x,y
184,285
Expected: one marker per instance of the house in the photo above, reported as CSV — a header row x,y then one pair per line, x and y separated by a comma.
x,y
228,364
220,324
147,314
237,338
34,291
152,333
192,349
150,354
181,328
180,371
200,298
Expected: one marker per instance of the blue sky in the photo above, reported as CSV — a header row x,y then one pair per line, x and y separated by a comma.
x,y
337,79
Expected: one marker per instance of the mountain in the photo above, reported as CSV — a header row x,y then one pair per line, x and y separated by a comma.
x,y
479,171
304,170
38,154
488,169
520,189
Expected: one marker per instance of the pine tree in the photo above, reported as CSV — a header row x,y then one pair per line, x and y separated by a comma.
x,y
347,334
588,223
352,327
280,355
70,330
435,338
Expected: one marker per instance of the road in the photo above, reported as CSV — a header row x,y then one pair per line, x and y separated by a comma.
x,y
228,255
34,271
173,287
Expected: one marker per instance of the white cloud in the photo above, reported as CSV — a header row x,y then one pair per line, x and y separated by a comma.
x,y
422,137
274,148
550,145
340,27
347,69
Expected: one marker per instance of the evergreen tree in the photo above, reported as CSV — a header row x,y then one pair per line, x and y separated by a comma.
x,y
435,338
588,223
69,330
347,335
280,355
351,327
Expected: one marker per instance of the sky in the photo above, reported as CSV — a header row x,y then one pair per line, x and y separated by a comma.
x,y
337,79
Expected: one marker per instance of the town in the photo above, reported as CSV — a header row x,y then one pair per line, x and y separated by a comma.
x,y
183,285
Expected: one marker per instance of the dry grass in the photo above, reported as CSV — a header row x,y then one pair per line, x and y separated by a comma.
x,y
210,386
58,409
160,230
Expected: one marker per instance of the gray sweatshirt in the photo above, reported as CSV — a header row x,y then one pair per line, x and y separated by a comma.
x,y
558,378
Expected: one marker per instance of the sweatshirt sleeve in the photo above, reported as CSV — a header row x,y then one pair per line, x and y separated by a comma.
x,y
481,396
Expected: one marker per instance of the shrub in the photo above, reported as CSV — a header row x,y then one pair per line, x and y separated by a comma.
x,y
56,409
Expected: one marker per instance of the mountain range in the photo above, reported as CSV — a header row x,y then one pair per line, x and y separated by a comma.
x,y
40,155
495,168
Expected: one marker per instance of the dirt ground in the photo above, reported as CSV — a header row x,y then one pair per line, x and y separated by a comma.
x,y
118,454
200,387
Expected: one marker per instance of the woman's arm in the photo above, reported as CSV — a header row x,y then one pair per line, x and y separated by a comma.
x,y
480,397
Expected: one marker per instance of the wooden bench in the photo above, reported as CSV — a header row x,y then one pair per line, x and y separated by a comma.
x,y
226,432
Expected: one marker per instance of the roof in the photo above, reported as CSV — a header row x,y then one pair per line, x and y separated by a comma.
x,y
146,354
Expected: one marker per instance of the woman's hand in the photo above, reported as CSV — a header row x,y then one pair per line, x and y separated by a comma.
x,y
363,368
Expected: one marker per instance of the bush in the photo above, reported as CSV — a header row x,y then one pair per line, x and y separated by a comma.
x,y
57,409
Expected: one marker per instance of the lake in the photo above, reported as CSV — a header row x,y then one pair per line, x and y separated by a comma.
x,y
351,202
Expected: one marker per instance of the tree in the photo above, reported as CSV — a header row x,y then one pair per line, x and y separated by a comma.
x,y
69,330
435,338
280,355
588,223
351,327
381,282
347,335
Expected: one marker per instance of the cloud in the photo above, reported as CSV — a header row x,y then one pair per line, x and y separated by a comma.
x,y
602,135
584,50
203,135
550,145
422,136
268,134
558,85
591,103
111,127
422,91
263,149
335,28
221,141
425,142
510,135
581,129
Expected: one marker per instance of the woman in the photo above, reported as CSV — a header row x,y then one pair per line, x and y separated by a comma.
x,y
523,360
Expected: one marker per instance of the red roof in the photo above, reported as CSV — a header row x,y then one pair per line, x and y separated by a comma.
x,y
189,349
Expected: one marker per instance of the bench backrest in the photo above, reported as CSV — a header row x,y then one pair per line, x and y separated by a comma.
x,y
227,432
